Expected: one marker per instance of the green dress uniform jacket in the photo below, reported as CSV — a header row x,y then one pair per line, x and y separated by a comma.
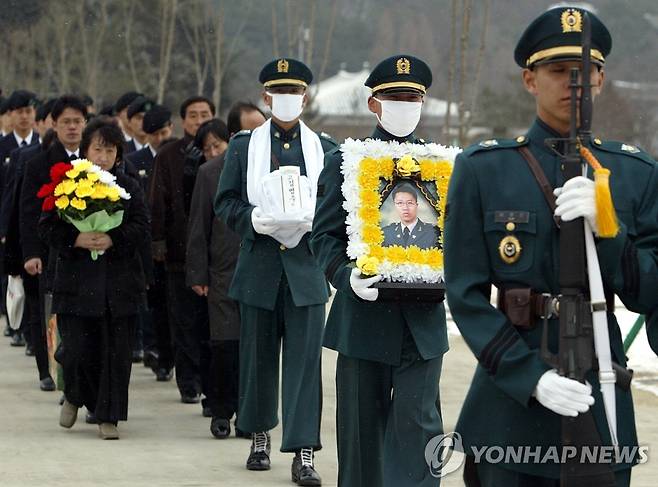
x,y
493,177
263,260
357,328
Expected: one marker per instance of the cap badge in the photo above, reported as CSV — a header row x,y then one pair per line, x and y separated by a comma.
x,y
509,249
403,66
572,21
282,66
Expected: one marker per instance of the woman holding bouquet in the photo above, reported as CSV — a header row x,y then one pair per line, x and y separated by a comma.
x,y
98,285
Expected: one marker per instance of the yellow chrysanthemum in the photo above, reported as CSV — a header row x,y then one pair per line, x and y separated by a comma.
x,y
386,167
372,234
369,165
435,258
369,214
59,190
92,176
83,165
377,251
85,188
68,186
78,204
407,166
416,255
62,202
72,173
368,181
370,198
396,254
99,191
113,193
367,265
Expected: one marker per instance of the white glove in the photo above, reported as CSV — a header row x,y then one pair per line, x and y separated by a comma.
x,y
307,223
262,223
566,397
361,285
576,199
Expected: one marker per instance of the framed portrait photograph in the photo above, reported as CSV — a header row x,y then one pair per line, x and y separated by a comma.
x,y
395,197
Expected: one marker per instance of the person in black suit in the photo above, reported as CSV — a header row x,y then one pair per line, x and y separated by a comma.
x,y
121,112
21,108
158,350
135,114
97,301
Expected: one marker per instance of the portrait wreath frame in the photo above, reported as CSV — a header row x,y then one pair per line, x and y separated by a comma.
x,y
369,164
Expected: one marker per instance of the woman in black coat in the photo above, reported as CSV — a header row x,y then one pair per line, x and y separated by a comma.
x,y
97,301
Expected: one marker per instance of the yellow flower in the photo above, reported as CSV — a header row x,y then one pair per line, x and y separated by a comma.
x,y
377,251
72,173
407,166
367,265
99,191
435,258
372,234
368,181
62,202
370,198
85,188
396,254
369,214
68,186
78,204
92,176
416,255
59,190
83,165
113,193
386,167
369,166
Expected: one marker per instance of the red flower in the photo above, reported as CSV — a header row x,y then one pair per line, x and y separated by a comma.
x,y
58,171
48,204
47,189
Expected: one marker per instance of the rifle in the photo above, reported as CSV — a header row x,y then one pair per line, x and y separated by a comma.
x,y
581,297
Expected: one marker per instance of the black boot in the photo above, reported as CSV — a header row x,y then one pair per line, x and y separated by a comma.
x,y
220,427
259,457
303,471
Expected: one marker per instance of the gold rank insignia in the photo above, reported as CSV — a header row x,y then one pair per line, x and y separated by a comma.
x,y
282,66
403,66
509,249
572,21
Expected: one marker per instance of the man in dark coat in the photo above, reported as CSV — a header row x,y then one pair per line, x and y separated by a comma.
x,y
21,108
212,252
121,112
160,357
169,197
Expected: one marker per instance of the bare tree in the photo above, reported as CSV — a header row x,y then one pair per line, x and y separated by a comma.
x,y
128,8
197,25
167,34
91,47
451,68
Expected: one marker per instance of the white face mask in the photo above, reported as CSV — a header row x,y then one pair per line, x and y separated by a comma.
x,y
399,118
286,107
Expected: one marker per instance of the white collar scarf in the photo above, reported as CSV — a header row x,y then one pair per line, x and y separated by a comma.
x,y
259,159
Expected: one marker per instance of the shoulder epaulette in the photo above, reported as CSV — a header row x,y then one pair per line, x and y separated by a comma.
x,y
242,132
492,144
327,137
622,148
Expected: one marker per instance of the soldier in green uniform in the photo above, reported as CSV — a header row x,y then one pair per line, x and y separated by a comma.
x,y
501,232
281,290
390,353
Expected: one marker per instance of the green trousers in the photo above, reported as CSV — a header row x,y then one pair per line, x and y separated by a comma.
x,y
385,417
488,475
261,333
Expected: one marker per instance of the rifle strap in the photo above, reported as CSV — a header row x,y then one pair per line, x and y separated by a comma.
x,y
542,181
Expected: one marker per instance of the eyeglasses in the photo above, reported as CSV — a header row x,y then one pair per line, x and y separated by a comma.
x,y
407,204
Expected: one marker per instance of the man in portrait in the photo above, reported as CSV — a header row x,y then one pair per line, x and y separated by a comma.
x,y
410,230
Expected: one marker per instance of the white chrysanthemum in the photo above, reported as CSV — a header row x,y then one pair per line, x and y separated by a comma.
x,y
123,194
106,177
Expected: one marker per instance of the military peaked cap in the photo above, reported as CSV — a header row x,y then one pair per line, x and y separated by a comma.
x,y
399,74
285,72
556,36
157,117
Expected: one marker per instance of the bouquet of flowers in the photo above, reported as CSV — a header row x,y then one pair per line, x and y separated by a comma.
x,y
84,195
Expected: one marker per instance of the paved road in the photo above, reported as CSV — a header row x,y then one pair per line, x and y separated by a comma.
x,y
166,443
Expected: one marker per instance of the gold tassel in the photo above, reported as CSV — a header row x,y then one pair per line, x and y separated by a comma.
x,y
606,217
